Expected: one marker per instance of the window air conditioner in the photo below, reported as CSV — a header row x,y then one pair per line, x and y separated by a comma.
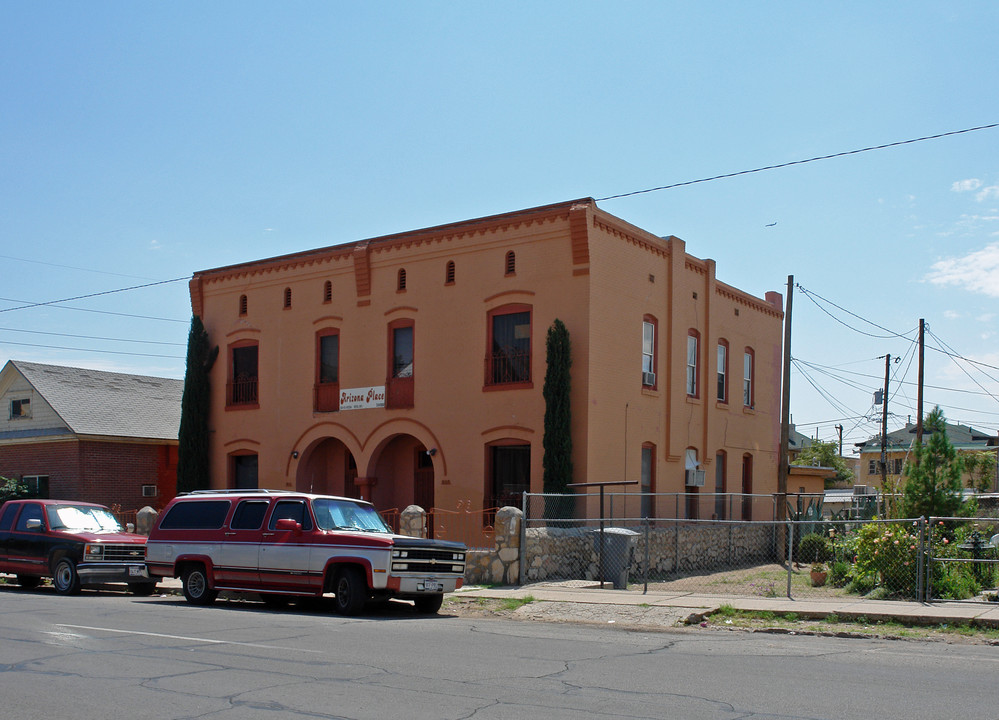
x,y
695,478
648,378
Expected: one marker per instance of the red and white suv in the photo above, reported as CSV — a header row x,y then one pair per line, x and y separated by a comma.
x,y
284,544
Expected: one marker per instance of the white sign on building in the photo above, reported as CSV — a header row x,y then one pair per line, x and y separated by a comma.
x,y
361,398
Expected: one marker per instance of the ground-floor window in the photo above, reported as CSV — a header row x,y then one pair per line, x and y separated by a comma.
x,y
244,472
510,474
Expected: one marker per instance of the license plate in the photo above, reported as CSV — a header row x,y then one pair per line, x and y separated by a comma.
x,y
135,571
431,585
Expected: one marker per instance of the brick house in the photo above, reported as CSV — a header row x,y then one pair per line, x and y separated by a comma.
x,y
78,434
409,368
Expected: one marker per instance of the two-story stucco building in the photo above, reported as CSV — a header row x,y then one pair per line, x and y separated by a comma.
x,y
409,368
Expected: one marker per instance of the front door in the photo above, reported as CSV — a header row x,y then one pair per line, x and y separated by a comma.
x,y
238,562
284,554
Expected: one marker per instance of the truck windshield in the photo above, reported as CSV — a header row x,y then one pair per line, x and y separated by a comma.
x,y
346,515
81,517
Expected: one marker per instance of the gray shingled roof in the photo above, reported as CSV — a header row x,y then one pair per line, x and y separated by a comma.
x,y
94,402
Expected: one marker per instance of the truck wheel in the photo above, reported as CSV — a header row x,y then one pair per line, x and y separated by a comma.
x,y
196,588
349,591
28,582
65,578
429,604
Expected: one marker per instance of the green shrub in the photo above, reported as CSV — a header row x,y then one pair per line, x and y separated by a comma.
x,y
888,553
813,548
839,573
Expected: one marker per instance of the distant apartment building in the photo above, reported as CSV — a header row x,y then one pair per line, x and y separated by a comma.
x,y
408,369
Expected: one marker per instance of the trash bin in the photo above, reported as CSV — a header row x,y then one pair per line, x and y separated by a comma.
x,y
618,547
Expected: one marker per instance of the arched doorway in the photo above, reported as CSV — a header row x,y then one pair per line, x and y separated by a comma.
x,y
404,472
327,468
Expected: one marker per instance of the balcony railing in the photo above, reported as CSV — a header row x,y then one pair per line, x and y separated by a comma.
x,y
242,391
508,366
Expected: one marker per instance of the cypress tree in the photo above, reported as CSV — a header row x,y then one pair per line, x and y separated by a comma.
x,y
557,440
192,454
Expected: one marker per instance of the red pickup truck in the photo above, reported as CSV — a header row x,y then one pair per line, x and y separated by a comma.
x,y
75,543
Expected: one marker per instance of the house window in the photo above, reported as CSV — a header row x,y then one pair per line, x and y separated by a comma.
x,y
327,292
20,409
449,273
244,472
401,283
509,354
896,466
872,467
722,371
720,513
38,485
510,474
287,297
692,350
327,397
511,263
243,374
747,378
148,491
649,351
648,485
242,305
399,388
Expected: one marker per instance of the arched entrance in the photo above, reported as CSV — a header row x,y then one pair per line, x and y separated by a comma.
x,y
328,468
404,473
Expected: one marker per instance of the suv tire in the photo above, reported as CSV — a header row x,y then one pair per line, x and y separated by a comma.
x,y
196,588
349,590
429,604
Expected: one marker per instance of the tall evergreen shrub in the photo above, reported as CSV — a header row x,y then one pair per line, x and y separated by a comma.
x,y
557,440
192,454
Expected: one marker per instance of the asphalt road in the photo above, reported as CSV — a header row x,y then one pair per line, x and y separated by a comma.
x,y
113,655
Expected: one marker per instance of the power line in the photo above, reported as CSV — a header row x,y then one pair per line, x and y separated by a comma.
x,y
92,337
103,312
105,352
91,295
72,267
800,162
807,293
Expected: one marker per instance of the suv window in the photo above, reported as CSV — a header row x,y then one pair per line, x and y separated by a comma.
x,y
290,510
7,518
249,515
196,515
31,511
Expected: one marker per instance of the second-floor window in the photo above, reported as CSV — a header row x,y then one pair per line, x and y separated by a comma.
x,y
649,352
747,378
399,389
20,409
692,364
722,371
509,359
328,371
243,375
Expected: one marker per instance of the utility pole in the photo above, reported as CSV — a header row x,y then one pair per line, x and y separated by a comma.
x,y
884,428
919,387
785,410
839,431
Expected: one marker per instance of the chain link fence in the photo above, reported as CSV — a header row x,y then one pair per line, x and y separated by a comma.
x,y
860,558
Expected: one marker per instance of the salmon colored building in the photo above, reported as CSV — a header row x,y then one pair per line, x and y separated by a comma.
x,y
409,368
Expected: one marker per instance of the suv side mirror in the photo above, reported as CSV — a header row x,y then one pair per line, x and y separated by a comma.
x,y
289,525
33,524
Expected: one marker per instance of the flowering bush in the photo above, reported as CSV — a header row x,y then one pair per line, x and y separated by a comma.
x,y
888,553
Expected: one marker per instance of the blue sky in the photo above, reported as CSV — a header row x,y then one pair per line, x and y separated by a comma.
x,y
141,142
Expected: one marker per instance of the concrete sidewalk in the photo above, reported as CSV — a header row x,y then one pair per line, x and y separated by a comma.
x,y
687,604
588,596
